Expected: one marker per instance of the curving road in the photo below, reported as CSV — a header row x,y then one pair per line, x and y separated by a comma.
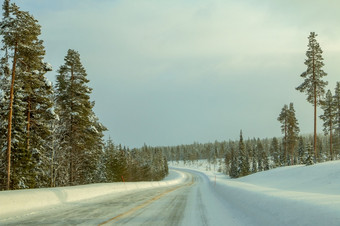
x,y
191,203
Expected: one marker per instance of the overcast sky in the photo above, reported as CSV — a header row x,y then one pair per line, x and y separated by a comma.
x,y
179,71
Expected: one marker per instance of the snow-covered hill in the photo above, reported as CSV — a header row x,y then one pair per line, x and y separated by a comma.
x,y
294,195
320,178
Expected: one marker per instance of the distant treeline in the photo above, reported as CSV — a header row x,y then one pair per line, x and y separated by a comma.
x,y
244,157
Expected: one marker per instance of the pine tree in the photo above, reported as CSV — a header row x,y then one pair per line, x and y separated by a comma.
x,y
24,51
94,149
290,129
79,130
283,118
328,117
313,84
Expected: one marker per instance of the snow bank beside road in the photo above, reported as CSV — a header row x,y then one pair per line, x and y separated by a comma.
x,y
294,195
13,203
270,206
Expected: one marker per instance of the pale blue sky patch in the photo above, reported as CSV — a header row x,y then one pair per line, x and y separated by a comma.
x,y
174,72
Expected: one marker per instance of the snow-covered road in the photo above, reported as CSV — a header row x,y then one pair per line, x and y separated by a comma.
x,y
190,203
193,204
283,196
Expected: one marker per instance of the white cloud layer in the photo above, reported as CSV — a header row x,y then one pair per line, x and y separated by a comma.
x,y
173,72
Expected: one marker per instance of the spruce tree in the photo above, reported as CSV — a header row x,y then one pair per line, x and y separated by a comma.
x,y
244,168
313,85
293,132
309,155
120,164
336,100
261,156
254,167
301,150
274,151
328,117
233,171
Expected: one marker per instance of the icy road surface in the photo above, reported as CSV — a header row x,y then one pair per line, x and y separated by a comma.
x,y
295,195
193,202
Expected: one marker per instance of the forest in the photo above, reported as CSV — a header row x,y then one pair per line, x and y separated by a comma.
x,y
242,158
49,134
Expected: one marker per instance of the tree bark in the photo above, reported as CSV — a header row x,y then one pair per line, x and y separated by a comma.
x,y
286,149
314,84
28,123
315,151
330,139
10,114
71,132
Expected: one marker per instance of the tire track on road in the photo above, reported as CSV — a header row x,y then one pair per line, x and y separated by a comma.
x,y
146,203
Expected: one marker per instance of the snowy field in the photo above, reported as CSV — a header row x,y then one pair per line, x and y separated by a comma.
x,y
295,195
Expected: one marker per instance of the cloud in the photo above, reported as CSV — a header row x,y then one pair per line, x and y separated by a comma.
x,y
171,72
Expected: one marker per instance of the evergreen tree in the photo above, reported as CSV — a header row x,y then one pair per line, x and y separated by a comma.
x,y
301,150
23,93
116,162
244,168
283,118
265,160
262,157
274,151
293,132
328,117
79,129
254,162
309,155
336,100
233,171
290,129
313,84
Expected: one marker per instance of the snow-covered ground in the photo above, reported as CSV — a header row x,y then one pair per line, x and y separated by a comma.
x,y
23,202
294,195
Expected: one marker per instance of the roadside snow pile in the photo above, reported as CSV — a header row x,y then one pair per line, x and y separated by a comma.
x,y
321,178
294,195
20,202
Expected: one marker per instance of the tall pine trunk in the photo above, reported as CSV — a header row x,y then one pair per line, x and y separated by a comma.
x,y
72,172
286,149
28,123
10,114
314,81
330,138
